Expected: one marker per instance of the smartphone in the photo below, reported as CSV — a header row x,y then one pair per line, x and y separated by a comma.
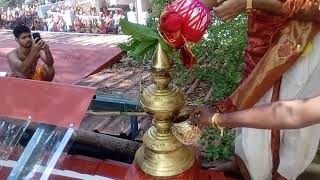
x,y
36,35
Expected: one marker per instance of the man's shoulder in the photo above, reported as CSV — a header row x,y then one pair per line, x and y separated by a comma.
x,y
13,55
13,52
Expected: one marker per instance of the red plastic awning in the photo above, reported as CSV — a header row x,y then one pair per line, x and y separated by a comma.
x,y
45,102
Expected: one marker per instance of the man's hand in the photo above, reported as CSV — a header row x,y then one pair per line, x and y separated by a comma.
x,y
230,9
202,116
45,46
40,45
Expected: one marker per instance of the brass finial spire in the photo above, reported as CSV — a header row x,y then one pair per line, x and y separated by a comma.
x,y
160,60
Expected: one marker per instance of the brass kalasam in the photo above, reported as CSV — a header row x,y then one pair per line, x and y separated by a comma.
x,y
162,154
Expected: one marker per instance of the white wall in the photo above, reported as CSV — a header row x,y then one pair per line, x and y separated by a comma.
x,y
145,3
141,7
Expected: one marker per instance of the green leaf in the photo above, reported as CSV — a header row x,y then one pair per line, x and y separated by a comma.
x,y
124,46
129,47
144,47
138,32
165,46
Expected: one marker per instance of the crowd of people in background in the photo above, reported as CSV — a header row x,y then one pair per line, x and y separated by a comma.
x,y
10,17
64,17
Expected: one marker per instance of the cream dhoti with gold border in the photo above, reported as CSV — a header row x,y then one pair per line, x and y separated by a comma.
x,y
299,146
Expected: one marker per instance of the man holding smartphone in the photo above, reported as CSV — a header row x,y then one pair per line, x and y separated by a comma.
x,y
23,61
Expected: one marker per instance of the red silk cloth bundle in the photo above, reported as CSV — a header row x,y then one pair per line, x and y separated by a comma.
x,y
184,22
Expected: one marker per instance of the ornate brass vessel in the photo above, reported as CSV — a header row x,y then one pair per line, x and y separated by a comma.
x,y
162,154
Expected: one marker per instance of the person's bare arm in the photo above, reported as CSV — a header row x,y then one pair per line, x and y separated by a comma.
x,y
211,3
278,115
272,6
230,9
47,58
275,7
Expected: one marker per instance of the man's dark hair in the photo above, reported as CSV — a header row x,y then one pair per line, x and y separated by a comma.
x,y
18,30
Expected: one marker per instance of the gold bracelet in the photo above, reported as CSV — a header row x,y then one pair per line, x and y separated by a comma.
x,y
249,6
215,118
